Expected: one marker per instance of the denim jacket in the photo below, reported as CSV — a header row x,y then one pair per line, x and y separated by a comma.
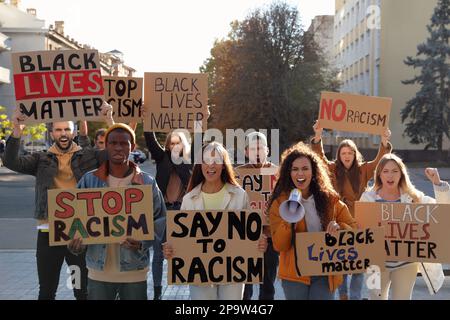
x,y
130,260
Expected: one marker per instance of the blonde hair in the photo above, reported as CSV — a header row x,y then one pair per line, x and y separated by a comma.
x,y
405,184
184,141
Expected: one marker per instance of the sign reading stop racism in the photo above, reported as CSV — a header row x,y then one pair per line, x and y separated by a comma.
x,y
354,113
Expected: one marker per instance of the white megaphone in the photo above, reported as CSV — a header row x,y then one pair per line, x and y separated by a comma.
x,y
292,210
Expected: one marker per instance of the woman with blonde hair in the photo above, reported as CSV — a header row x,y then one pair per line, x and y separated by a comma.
x,y
213,186
393,185
303,169
173,170
350,175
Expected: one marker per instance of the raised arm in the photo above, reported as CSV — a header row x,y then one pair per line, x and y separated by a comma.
x,y
441,188
385,148
156,151
317,145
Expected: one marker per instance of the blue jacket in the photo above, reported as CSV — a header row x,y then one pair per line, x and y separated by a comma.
x,y
130,260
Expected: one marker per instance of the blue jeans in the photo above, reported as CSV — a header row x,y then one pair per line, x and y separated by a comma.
x,y
157,263
317,290
98,290
356,285
267,288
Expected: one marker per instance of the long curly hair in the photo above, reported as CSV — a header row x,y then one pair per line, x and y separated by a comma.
x,y
320,187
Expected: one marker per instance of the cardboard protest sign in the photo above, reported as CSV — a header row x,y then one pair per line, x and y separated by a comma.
x,y
413,232
176,101
215,247
125,95
100,215
58,85
354,113
348,252
259,184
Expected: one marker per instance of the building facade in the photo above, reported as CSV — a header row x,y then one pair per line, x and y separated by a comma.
x,y
371,40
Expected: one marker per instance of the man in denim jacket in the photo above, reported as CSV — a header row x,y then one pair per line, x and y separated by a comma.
x,y
120,270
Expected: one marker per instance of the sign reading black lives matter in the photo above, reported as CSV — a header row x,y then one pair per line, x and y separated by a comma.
x,y
413,232
58,85
215,247
346,252
176,101
125,96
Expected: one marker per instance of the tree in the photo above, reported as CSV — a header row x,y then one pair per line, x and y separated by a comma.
x,y
35,132
428,113
267,74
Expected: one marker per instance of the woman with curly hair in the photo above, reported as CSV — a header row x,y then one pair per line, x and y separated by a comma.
x,y
302,169
350,175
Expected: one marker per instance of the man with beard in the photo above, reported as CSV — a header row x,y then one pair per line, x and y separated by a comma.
x,y
60,168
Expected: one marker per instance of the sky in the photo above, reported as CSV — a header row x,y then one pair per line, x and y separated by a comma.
x,y
158,35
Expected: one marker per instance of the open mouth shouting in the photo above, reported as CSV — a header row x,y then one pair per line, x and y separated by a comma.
x,y
300,182
390,183
211,172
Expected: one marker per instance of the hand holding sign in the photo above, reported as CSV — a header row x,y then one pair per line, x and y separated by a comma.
x,y
107,112
333,227
168,251
386,137
433,175
18,119
131,244
318,130
262,244
76,246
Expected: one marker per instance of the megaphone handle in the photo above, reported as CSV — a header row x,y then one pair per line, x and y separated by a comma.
x,y
293,241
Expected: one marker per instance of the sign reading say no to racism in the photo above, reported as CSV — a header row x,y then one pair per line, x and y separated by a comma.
x,y
58,85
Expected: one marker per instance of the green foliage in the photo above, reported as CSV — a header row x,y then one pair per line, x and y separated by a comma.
x,y
428,113
35,132
267,74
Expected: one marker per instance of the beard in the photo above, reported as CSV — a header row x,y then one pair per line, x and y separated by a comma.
x,y
60,147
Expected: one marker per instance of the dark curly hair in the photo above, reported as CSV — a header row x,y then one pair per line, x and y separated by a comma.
x,y
320,187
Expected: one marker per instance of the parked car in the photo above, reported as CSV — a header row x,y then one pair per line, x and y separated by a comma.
x,y
137,156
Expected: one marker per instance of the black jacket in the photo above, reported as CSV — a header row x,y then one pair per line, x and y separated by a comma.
x,y
44,166
164,164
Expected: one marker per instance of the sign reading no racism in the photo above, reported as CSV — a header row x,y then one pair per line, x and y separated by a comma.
x,y
348,252
354,113
413,232
259,184
100,215
58,85
176,101
125,96
215,247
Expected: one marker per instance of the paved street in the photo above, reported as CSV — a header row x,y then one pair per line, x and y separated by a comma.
x,y
18,236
